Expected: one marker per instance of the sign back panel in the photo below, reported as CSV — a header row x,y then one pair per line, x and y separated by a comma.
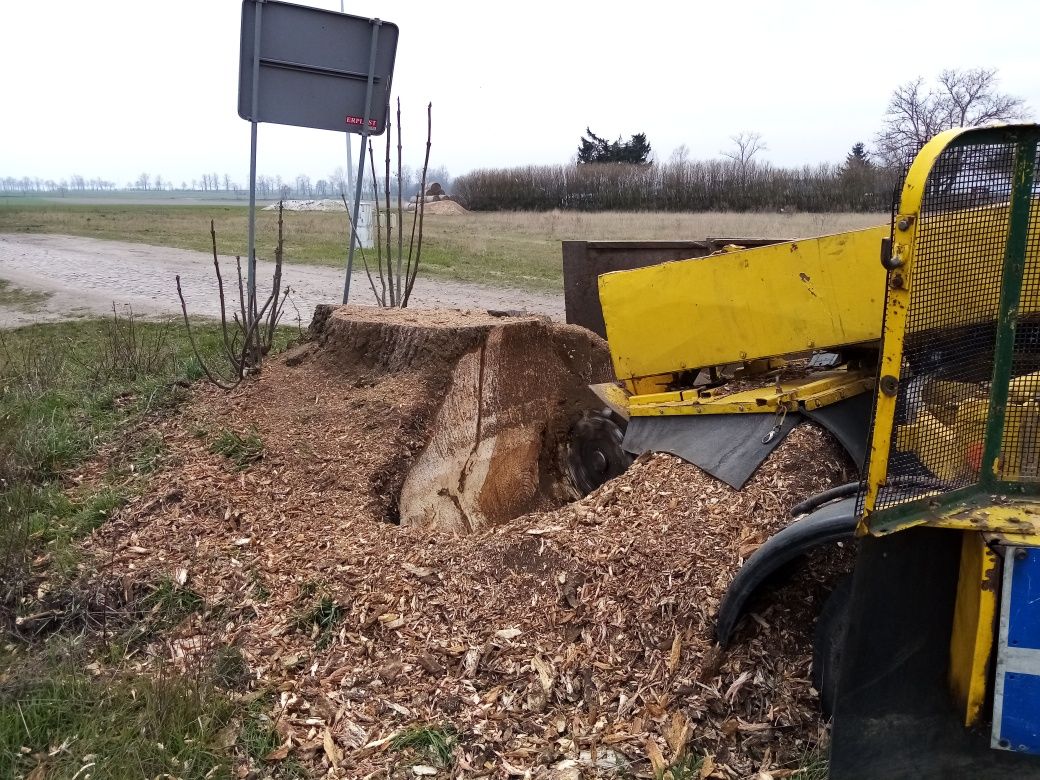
x,y
314,67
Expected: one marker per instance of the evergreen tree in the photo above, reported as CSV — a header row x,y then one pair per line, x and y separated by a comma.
x,y
593,149
858,158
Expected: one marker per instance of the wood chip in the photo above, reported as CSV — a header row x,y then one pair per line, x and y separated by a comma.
x,y
572,630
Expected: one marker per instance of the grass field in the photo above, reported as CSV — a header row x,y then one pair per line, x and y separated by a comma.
x,y
504,248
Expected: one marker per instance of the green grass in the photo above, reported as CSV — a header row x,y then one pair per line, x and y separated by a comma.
x,y
813,765
128,727
242,449
427,743
66,391
321,619
502,248
23,300
66,388
258,738
171,603
230,669
687,767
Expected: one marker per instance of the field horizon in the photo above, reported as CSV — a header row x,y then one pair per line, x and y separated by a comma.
x,y
513,249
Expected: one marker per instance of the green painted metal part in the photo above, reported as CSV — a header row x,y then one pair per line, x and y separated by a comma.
x,y
1010,294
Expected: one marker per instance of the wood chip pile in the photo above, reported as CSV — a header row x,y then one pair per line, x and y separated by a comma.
x,y
570,643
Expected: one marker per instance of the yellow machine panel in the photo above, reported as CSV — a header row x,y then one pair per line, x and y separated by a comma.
x,y
774,300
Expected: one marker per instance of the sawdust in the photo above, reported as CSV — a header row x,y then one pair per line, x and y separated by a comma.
x,y
444,207
573,640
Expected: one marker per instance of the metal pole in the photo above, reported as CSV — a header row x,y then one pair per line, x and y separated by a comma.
x,y
349,165
376,24
251,262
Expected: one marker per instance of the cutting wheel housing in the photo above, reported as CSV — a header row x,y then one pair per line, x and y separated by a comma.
x,y
594,451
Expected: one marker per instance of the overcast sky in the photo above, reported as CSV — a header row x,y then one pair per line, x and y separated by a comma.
x,y
114,88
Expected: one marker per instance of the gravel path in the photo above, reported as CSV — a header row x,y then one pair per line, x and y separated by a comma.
x,y
85,276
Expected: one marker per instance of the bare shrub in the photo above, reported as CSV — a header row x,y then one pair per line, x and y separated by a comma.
x,y
678,185
250,338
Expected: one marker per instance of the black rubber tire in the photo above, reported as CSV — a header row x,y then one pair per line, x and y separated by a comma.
x,y
828,642
594,452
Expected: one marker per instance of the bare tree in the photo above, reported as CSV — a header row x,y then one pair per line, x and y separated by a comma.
x,y
747,145
959,98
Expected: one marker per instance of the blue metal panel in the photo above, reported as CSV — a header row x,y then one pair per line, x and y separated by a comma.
x,y
1016,695
1020,718
1024,618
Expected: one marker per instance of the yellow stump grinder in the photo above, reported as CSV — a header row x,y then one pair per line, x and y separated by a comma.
x,y
917,345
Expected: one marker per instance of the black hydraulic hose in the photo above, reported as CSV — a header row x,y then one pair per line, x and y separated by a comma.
x,y
812,502
851,488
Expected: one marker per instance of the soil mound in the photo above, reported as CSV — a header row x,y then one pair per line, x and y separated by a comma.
x,y
444,207
570,642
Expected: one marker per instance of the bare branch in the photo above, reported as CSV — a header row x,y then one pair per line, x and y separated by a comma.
x,y
400,210
960,98
220,289
379,229
421,208
748,145
241,289
221,383
389,226
272,320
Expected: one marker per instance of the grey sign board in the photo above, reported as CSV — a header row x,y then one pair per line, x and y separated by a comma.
x,y
314,67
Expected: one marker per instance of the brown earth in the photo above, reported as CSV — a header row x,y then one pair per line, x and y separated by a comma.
x,y
570,642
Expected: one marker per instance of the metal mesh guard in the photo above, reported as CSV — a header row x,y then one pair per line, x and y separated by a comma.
x,y
950,336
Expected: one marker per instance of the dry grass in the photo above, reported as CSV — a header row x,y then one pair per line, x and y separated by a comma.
x,y
503,248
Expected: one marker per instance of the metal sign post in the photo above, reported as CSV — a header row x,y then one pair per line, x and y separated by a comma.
x,y
350,163
376,24
254,101
310,67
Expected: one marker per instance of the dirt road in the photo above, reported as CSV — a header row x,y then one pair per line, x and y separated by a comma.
x,y
85,276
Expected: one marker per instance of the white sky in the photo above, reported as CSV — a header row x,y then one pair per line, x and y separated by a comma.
x,y
114,88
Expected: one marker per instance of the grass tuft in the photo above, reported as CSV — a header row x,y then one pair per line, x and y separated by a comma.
x,y
258,739
171,603
230,669
686,767
432,742
241,448
813,765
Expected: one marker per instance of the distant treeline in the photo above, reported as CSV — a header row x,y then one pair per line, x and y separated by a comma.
x,y
712,185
